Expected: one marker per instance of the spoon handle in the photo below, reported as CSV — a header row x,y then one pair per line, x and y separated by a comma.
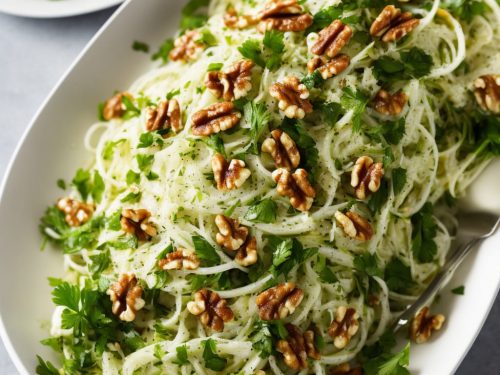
x,y
435,286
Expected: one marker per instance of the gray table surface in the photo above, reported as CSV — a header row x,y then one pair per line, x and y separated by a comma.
x,y
35,53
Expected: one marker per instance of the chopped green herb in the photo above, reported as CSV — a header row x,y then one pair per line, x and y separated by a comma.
x,y
262,212
274,47
140,46
356,101
205,251
398,180
257,116
422,238
368,264
398,276
182,356
173,93
163,52
131,197
387,364
287,253
312,80
212,360
459,290
45,367
192,18
61,184
379,198
414,63
251,49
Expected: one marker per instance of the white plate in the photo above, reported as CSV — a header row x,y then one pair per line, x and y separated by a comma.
x,y
52,148
54,8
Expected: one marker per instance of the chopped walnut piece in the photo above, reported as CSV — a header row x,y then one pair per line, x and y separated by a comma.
x,y
137,222
391,25
231,83
126,295
211,309
187,47
297,347
366,176
76,213
214,119
181,259
229,176
284,15
283,150
354,225
329,68
344,326
235,21
296,186
114,107
231,234
346,369
165,116
278,302
422,325
292,96
247,253
332,39
389,104
487,92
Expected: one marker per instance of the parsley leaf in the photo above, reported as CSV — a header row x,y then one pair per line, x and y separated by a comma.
x,y
100,263
379,198
368,264
145,162
398,276
312,80
262,212
414,63
140,46
82,182
422,238
325,16
287,253
214,67
326,275
216,143
266,335
205,251
191,17
132,197
466,9
45,367
274,47
398,180
357,102
182,355
257,116
146,140
109,149
212,360
459,290
268,54
387,364
330,112
164,51
133,177
251,49
130,108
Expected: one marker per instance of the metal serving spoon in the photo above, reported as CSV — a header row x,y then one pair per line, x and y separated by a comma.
x,y
473,228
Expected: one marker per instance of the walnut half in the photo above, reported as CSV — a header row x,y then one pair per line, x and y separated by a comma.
x,y
296,186
181,259
137,222
283,150
329,68
422,325
389,104
231,234
211,309
229,176
114,107
487,92
126,295
297,347
231,83
76,213
167,115
284,15
354,225
214,119
187,47
344,326
332,39
278,302
366,176
392,25
292,97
